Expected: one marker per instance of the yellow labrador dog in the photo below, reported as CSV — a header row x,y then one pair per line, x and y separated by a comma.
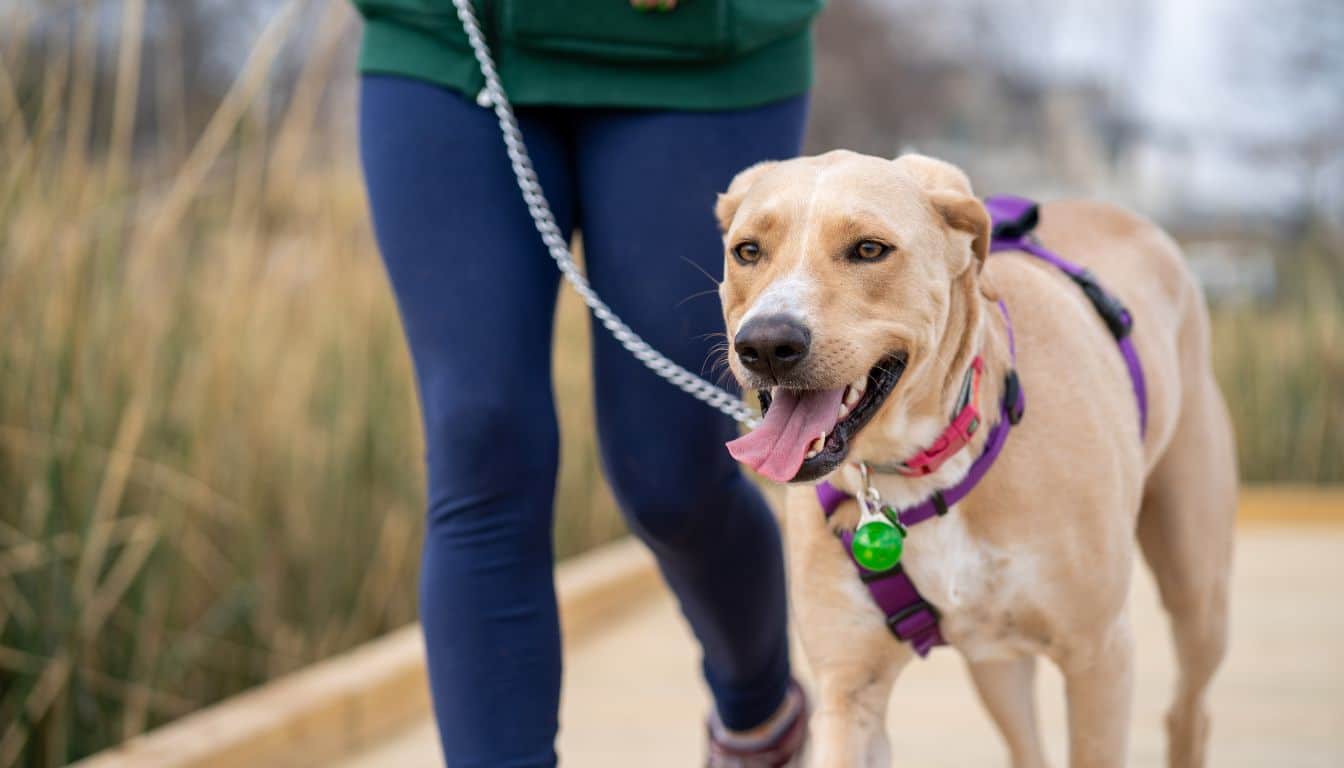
x,y
857,291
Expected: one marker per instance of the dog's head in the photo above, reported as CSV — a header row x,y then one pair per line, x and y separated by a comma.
x,y
844,275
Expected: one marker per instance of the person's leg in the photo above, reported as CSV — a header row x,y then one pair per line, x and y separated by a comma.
x,y
476,293
648,181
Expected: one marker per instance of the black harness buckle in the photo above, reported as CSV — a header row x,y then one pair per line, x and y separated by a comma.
x,y
1018,228
1012,397
1112,312
939,503
908,611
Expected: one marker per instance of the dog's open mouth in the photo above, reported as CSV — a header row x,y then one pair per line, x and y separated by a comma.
x,y
806,432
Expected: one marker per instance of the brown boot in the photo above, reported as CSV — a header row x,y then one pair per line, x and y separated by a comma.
x,y
781,747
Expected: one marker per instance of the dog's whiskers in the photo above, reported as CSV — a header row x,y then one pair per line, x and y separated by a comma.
x,y
697,295
716,359
724,377
702,270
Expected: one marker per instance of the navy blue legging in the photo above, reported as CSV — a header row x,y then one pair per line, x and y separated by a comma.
x,y
477,292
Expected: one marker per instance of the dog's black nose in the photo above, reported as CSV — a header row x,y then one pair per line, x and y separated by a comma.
x,y
772,345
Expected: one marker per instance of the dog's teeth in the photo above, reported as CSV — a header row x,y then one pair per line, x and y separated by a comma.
x,y
815,446
852,397
844,410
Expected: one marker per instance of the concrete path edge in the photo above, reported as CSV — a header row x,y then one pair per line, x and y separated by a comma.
x,y
354,699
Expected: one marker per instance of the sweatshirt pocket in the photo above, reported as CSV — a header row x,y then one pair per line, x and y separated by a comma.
x,y
611,30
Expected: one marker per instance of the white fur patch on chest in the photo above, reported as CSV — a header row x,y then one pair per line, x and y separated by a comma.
x,y
981,590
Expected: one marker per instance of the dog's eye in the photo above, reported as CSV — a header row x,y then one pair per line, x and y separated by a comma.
x,y
869,250
747,253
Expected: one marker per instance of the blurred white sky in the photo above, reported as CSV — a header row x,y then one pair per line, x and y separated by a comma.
x,y
1226,93
1232,89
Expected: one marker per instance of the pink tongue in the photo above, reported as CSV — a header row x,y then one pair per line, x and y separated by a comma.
x,y
776,447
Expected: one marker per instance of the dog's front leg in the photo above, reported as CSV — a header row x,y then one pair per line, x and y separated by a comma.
x,y
1099,683
854,658
1008,689
849,729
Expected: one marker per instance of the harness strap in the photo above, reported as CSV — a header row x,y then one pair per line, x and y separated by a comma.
x,y
1014,219
909,617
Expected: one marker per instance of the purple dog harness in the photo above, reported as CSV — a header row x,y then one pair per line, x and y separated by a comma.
x,y
909,616
1014,219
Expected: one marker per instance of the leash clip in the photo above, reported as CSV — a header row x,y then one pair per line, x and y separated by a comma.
x,y
868,497
879,538
871,506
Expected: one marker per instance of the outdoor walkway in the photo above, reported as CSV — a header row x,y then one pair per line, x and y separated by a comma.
x,y
633,695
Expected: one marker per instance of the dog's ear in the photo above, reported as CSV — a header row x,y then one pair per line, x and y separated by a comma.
x,y
726,206
949,190
965,214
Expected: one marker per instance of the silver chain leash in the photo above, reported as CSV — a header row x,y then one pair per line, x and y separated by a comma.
x,y
493,96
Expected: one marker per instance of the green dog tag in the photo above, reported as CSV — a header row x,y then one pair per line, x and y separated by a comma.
x,y
877,545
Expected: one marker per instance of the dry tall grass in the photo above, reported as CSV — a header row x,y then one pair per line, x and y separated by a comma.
x,y
209,452
209,460
1281,367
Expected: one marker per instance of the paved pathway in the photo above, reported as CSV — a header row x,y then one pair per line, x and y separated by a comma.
x,y
633,696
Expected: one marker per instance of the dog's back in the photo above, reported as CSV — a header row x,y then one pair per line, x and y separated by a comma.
x,y
1185,525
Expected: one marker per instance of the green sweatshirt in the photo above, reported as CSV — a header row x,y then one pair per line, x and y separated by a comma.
x,y
705,54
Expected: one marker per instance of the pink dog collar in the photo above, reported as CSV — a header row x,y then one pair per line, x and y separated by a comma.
x,y
956,435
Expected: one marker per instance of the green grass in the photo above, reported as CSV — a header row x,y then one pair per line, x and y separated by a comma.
x,y
209,452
